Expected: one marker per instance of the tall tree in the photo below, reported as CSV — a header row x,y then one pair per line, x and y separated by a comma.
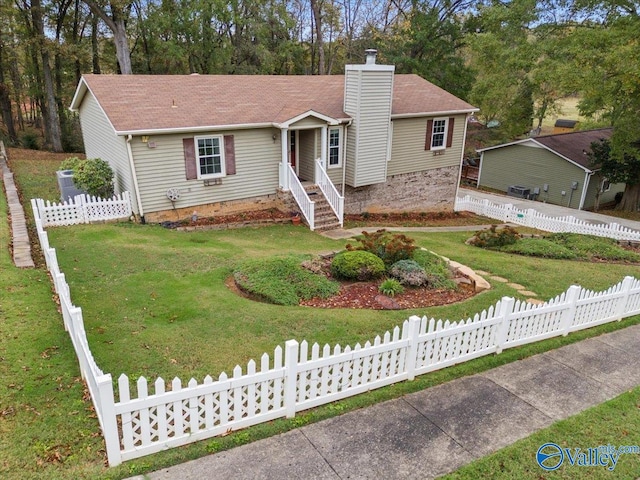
x,y
114,14
51,117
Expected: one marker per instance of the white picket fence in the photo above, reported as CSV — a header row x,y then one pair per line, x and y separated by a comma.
x,y
534,219
83,209
301,377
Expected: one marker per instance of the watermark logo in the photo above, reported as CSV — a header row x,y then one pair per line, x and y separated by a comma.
x,y
551,456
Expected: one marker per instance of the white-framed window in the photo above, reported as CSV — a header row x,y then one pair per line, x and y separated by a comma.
x,y
606,185
334,152
439,133
210,157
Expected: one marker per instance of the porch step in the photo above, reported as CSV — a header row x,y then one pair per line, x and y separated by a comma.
x,y
325,218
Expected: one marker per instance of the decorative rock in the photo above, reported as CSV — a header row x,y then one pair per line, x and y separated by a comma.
x,y
387,303
534,301
482,272
528,293
517,286
499,279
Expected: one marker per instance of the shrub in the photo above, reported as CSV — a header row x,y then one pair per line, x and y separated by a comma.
x,y
494,237
389,247
390,287
357,265
589,246
408,272
94,176
282,280
437,270
30,141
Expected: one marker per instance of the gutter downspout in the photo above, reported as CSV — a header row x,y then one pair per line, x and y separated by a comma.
x,y
135,179
344,157
587,177
464,141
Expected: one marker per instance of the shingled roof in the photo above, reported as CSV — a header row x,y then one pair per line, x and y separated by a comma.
x,y
573,146
137,103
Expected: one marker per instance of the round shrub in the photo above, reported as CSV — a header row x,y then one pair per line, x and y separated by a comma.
x,y
494,237
92,175
408,272
357,265
390,287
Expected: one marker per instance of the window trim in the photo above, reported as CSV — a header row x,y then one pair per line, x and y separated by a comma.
x,y
444,133
223,171
607,182
339,147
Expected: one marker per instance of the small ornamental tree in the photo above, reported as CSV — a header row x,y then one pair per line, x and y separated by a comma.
x,y
93,175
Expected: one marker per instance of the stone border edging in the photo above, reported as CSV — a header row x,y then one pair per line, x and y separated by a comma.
x,y
20,237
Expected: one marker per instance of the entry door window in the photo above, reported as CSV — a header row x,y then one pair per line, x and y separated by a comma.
x,y
292,148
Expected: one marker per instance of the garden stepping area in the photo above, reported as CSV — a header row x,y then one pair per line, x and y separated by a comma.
x,y
516,286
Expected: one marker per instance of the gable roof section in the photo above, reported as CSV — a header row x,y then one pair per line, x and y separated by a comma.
x,y
570,146
155,103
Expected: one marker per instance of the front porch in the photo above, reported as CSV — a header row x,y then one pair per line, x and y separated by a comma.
x,y
309,143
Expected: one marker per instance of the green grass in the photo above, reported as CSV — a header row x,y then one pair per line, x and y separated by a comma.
x,y
616,422
155,304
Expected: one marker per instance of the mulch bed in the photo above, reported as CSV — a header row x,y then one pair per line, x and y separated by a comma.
x,y
366,295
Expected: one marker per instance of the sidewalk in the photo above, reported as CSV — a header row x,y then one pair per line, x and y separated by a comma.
x,y
435,431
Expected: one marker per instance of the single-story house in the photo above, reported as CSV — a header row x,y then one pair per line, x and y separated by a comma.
x,y
550,168
369,140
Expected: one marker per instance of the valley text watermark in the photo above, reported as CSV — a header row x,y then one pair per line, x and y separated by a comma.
x,y
551,456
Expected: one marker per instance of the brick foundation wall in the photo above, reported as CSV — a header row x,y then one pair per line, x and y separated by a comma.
x,y
427,191
221,208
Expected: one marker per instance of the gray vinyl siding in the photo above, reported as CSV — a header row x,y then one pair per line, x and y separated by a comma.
x,y
532,167
369,140
257,157
407,147
606,197
307,149
101,141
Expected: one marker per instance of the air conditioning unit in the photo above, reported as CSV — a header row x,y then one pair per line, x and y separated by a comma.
x,y
68,190
518,191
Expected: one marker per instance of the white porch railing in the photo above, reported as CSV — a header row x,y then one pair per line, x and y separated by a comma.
x,y
330,192
302,199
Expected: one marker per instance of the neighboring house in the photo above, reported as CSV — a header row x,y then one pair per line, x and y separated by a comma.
x,y
550,168
371,140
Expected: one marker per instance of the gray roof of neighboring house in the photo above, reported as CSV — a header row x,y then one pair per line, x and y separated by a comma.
x,y
573,146
135,103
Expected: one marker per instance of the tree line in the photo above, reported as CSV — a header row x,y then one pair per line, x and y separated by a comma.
x,y
514,59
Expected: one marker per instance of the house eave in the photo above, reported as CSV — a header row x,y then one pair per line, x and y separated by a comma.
x,y
206,128
309,113
434,114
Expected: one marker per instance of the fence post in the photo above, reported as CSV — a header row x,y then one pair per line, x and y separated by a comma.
x,y
412,348
291,348
506,308
507,212
108,420
569,315
621,308
485,207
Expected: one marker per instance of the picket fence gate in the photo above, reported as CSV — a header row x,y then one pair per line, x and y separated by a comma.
x,y
300,376
83,209
534,219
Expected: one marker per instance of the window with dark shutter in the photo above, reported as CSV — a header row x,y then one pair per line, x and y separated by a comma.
x,y
427,142
190,165
229,155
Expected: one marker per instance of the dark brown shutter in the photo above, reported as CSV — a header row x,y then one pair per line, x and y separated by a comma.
x,y
229,155
190,166
427,142
450,132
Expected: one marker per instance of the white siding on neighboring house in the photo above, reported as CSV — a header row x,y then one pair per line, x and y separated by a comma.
x,y
163,167
101,141
408,152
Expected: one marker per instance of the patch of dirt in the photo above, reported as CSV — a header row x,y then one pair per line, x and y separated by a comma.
x,y
414,219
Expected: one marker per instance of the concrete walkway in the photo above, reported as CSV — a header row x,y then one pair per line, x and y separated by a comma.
x,y
436,431
548,209
21,245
